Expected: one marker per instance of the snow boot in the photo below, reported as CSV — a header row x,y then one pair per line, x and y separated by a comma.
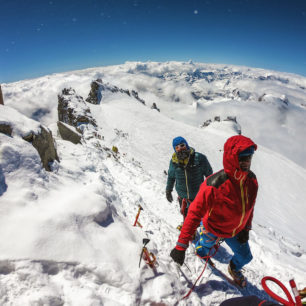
x,y
237,276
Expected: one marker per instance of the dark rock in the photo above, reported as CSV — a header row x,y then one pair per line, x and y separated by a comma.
x,y
44,144
29,137
154,106
5,128
285,100
95,94
73,110
261,98
196,95
206,123
135,95
244,95
1,97
231,118
67,133
273,78
98,87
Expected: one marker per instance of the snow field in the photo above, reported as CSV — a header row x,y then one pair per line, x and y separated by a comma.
x,y
67,236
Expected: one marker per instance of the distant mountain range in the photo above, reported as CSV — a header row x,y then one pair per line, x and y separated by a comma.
x,y
274,107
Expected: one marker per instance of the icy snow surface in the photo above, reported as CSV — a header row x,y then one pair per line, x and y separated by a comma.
x,y
67,236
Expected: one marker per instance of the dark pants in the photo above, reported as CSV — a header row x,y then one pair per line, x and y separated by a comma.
x,y
184,205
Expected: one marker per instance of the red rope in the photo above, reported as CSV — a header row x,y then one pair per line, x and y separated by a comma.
x,y
191,289
290,301
207,257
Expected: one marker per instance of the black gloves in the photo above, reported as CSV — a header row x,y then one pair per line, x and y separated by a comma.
x,y
169,196
243,236
178,256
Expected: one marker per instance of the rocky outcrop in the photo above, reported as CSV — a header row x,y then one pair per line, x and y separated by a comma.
x,y
273,78
261,98
1,97
95,94
240,94
229,123
231,118
44,144
206,123
5,128
73,110
68,133
281,102
135,95
98,87
154,106
15,124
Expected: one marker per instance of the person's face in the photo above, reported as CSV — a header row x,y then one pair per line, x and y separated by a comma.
x,y
245,162
181,151
181,147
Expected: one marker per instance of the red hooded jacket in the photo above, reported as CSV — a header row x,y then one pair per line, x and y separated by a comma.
x,y
226,199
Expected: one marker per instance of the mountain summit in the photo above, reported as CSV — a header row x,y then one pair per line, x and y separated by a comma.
x,y
67,235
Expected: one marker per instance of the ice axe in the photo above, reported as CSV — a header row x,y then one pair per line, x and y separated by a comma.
x,y
145,241
137,216
148,257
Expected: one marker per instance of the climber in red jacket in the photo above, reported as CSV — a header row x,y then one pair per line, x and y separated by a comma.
x,y
223,208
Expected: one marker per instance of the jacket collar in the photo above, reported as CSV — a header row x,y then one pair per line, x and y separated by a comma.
x,y
184,162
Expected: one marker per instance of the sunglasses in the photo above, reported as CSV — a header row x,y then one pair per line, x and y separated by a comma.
x,y
180,147
245,158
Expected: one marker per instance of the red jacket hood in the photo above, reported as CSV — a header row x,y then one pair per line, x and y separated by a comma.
x,y
232,147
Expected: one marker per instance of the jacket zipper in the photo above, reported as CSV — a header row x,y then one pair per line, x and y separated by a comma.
x,y
243,207
186,183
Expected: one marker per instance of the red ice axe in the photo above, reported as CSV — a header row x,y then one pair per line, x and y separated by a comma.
x,y
147,256
137,216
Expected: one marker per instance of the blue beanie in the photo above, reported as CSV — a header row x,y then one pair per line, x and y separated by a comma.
x,y
178,140
247,152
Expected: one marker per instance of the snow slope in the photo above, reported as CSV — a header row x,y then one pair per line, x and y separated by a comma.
x,y
67,236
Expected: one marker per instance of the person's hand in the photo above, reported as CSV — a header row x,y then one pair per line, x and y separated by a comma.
x,y
243,236
178,256
169,196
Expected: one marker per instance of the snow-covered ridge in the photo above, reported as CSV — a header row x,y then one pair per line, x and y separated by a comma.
x,y
67,236
273,111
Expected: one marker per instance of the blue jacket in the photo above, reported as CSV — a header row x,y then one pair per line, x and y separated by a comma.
x,y
188,175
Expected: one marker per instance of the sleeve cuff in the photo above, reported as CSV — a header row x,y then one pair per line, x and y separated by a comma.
x,y
181,246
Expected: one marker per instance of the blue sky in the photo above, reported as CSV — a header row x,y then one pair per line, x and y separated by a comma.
x,y
40,37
